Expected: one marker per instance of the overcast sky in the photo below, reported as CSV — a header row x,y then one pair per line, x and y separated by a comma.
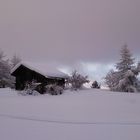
x,y
80,33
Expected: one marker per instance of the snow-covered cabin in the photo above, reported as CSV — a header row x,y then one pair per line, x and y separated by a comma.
x,y
42,73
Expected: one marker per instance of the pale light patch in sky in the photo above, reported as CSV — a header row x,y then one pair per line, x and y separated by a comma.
x,y
94,71
65,69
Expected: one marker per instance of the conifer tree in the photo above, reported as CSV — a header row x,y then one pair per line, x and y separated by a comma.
x,y
126,60
125,77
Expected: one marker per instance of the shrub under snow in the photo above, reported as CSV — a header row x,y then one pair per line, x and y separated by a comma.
x,y
54,89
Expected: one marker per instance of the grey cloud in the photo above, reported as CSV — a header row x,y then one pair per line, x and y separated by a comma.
x,y
69,31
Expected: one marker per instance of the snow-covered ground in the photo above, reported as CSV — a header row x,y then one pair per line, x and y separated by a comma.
x,y
84,115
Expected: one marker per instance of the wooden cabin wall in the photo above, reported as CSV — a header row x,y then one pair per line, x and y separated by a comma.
x,y
24,75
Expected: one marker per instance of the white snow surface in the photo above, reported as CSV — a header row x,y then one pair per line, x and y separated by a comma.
x,y
44,69
88,114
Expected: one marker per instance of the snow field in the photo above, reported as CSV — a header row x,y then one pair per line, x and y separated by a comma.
x,y
83,115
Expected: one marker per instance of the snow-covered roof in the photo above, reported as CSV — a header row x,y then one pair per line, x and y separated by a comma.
x,y
42,68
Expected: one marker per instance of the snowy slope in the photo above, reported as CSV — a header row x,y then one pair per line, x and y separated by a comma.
x,y
85,115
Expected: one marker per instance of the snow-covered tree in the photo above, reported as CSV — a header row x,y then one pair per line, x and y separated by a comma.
x,y
125,77
126,60
1,54
112,79
15,60
138,67
138,80
5,77
128,83
77,80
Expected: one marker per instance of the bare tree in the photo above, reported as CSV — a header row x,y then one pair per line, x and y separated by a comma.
x,y
15,60
77,80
